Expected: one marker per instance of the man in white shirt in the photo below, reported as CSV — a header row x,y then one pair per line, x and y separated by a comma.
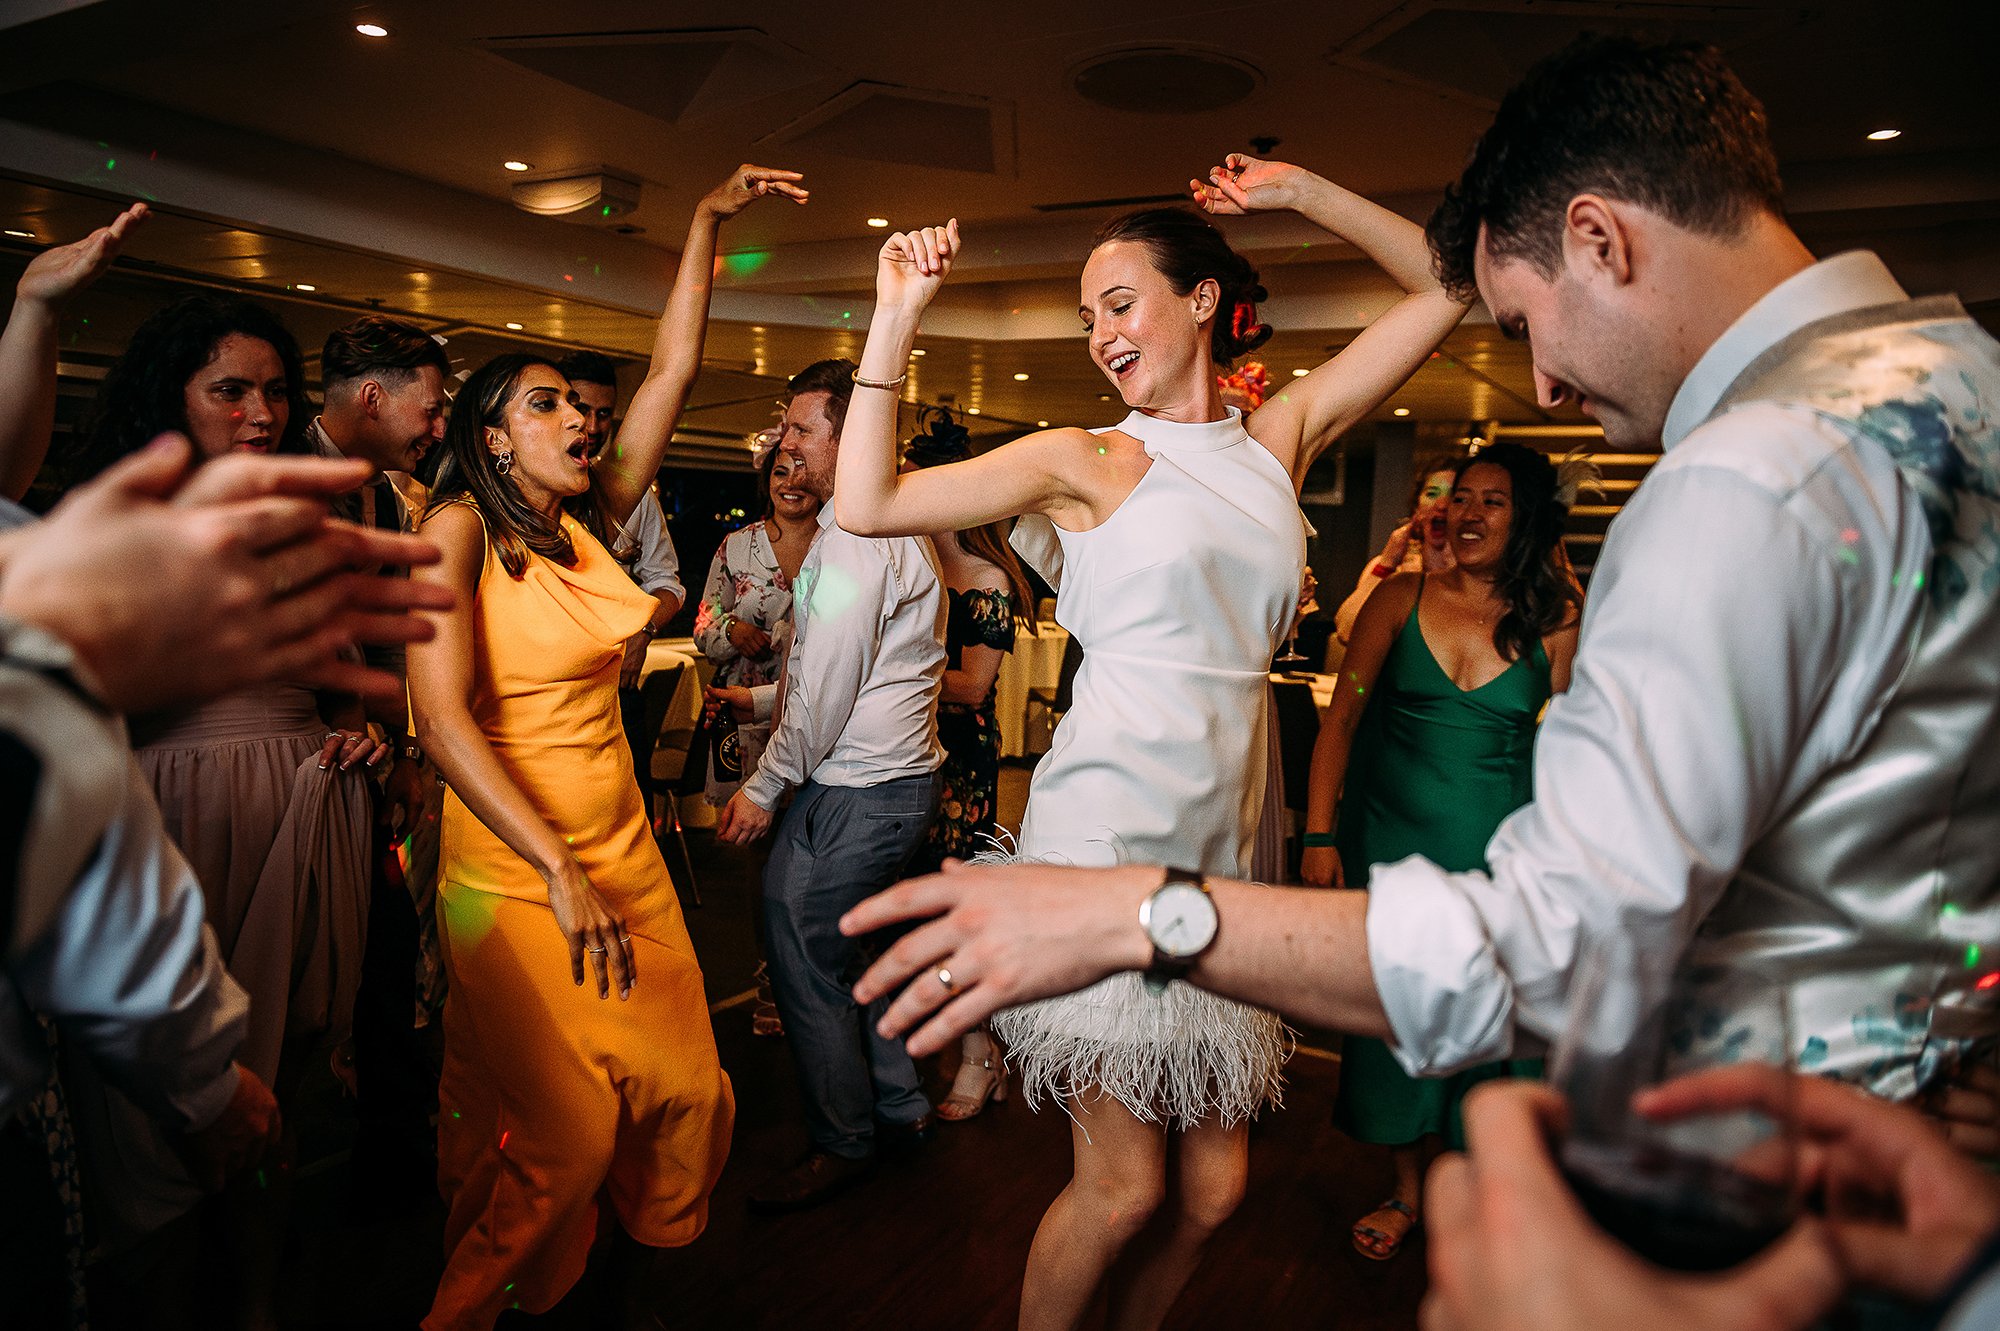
x,y
644,549
1782,743
856,738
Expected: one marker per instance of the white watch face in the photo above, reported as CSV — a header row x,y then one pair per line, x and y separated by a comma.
x,y
1181,919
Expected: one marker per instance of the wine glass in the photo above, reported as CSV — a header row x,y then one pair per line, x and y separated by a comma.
x,y
1291,656
1699,1193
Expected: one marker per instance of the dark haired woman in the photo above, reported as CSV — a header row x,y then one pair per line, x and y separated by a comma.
x,y
1177,547
744,628
990,597
1432,736
559,1109
264,790
1419,545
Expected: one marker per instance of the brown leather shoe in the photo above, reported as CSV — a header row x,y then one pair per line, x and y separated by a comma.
x,y
901,1138
811,1181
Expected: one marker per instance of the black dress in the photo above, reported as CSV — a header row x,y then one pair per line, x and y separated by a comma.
x,y
970,777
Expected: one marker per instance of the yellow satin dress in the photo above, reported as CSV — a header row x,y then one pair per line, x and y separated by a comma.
x,y
556,1104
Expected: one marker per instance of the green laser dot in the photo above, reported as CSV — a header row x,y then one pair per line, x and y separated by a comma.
x,y
260,1179
111,164
1101,450
1949,909
1972,954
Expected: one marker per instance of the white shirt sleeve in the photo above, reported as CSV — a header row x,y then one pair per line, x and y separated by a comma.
x,y
837,636
1708,652
657,569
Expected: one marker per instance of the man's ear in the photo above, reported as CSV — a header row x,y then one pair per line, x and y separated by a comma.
x,y
1596,240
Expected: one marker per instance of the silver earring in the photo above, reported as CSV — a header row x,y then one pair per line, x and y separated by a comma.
x,y
503,461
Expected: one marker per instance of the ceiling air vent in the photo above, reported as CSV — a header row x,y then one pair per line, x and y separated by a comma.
x,y
1164,80
671,75
884,122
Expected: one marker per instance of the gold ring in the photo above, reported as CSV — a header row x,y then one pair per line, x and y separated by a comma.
x,y
596,951
944,978
624,938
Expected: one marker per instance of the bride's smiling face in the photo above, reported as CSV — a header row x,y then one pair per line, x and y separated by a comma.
x,y
1144,336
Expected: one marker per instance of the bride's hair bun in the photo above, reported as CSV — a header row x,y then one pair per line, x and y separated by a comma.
x,y
1187,250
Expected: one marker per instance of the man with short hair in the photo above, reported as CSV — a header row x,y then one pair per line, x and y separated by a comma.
x,y
1781,747
384,389
645,551
856,737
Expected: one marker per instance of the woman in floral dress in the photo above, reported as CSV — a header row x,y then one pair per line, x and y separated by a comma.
x,y
744,626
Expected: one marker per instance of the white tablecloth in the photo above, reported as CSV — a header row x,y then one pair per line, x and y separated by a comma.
x,y
1035,663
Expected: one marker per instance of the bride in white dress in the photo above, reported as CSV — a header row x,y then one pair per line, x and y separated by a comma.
x,y
1176,544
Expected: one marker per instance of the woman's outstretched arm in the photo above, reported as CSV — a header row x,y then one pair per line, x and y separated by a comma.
x,y
1026,476
1309,413
656,407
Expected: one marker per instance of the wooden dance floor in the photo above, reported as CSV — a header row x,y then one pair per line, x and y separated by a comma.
x,y
936,1240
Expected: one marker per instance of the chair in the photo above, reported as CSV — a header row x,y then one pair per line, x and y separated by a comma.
x,y
656,695
1298,731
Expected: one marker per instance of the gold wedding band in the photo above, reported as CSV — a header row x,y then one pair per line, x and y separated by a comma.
x,y
944,978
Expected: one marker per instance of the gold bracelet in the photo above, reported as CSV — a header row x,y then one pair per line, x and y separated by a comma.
x,y
890,385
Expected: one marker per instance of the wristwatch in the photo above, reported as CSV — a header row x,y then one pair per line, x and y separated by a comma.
x,y
1180,920
410,751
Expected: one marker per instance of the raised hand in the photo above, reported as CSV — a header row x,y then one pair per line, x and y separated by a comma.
x,y
57,274
749,182
1244,184
246,577
913,265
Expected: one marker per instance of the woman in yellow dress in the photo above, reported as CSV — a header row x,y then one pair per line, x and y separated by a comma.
x,y
558,1100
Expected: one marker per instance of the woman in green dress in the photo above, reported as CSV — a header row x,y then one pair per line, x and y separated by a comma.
x,y
1429,745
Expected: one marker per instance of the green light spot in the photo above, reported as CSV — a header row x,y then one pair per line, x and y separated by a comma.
x,y
746,263
1847,556
456,1114
607,213
1102,450
569,840
509,1289
260,1179
1972,954
1917,581
111,164
1949,910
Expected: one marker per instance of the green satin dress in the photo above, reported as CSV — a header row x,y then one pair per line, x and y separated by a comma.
x,y
1433,772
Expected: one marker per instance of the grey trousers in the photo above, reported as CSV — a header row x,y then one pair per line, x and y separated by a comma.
x,y
837,846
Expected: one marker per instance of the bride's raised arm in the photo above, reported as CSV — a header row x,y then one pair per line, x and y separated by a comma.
x,y
870,498
656,407
1313,411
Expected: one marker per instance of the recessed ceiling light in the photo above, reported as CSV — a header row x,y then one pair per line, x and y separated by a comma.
x,y
518,166
972,410
1402,411
1883,135
1300,374
20,235
1043,424
371,30
1104,397
514,326
1021,378
304,286
878,221
919,351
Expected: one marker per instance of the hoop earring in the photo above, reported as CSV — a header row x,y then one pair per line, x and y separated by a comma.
x,y
503,461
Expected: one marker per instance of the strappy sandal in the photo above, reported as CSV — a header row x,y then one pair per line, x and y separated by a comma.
x,y
1377,1246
